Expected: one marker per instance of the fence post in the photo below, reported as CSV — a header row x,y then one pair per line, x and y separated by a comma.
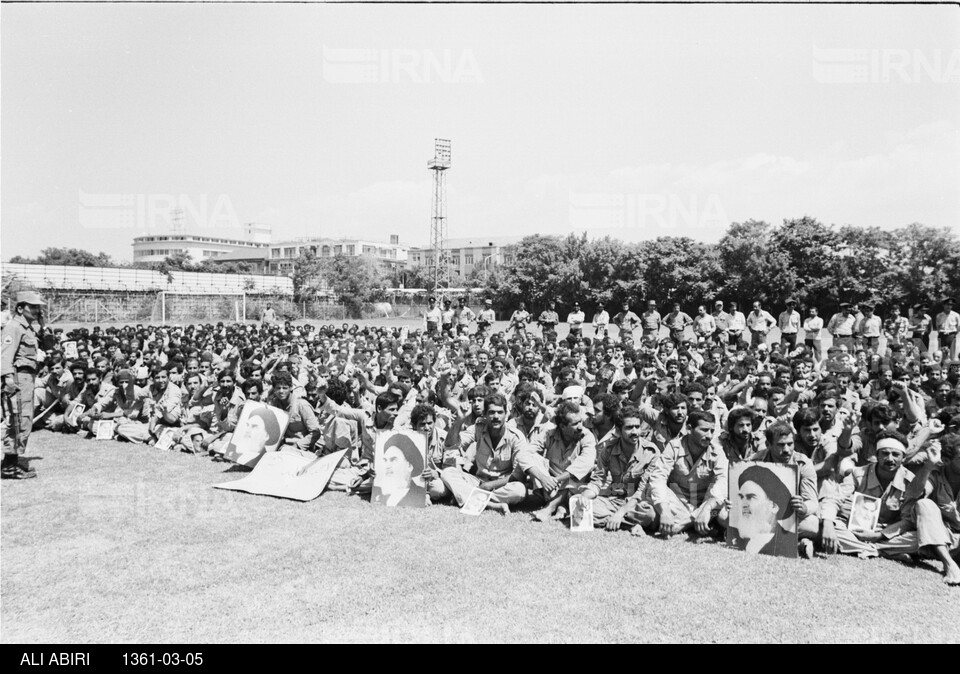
x,y
244,306
163,307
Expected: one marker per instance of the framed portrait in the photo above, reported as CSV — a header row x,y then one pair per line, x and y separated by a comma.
x,y
105,429
166,439
581,513
476,502
762,518
259,430
864,513
73,416
70,350
399,459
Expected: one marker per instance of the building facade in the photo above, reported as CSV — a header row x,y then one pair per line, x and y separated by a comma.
x,y
282,255
200,247
469,256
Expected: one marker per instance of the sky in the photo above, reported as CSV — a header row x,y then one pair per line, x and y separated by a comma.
x,y
631,121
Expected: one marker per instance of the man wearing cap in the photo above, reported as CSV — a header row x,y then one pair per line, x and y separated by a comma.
x,y
920,326
722,320
486,318
448,319
789,324
841,326
465,317
548,321
18,367
947,324
432,318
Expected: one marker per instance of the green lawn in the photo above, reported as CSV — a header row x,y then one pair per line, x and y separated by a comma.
x,y
122,543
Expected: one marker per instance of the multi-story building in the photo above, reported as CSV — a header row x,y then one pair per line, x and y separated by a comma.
x,y
475,254
282,255
200,247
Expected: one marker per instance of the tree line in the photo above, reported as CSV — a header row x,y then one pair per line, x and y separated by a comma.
x,y
803,259
816,264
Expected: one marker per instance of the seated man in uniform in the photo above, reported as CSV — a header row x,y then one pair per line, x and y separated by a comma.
x,y
621,476
493,457
568,452
931,514
780,449
688,486
886,479
303,428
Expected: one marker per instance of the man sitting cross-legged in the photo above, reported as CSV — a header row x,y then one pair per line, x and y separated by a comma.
x,y
887,480
568,452
492,456
621,476
688,486
780,449
931,514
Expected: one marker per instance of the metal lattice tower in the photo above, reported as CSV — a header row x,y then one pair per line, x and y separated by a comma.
x,y
438,224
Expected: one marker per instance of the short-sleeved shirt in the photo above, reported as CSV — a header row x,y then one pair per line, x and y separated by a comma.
x,y
692,480
494,461
619,475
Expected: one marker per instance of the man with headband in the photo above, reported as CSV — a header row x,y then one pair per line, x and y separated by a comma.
x,y
887,479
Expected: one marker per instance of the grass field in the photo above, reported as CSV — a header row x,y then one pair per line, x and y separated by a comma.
x,y
121,543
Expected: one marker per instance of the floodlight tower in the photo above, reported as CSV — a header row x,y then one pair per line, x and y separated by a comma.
x,y
438,224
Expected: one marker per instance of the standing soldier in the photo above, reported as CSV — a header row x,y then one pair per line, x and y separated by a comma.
x,y
19,368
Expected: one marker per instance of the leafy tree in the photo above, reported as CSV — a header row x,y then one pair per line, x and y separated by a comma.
x,y
679,269
354,280
752,267
70,257
308,276
927,263
811,253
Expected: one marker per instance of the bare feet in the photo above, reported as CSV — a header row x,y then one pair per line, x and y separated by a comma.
x,y
541,515
951,573
560,513
501,508
638,532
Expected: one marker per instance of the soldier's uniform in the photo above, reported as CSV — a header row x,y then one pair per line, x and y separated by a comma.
x,y
18,367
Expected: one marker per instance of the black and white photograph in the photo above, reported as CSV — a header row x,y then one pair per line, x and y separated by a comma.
x,y
414,295
763,520
259,429
864,513
400,460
